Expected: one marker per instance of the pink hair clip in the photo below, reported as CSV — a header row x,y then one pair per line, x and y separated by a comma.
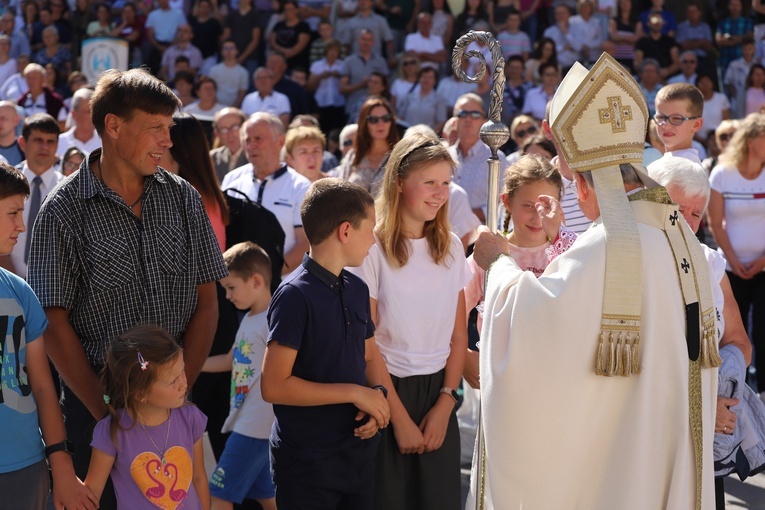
x,y
142,361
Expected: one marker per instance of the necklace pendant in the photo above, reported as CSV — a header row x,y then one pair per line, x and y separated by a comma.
x,y
164,462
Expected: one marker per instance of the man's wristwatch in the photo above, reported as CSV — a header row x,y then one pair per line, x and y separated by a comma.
x,y
381,388
63,446
451,392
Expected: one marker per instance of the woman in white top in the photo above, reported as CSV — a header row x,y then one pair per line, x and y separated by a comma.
x,y
716,106
737,221
415,272
408,72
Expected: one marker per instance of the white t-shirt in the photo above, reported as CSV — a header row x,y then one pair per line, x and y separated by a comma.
x,y
716,263
744,211
417,43
230,81
328,92
277,104
713,113
400,89
7,70
461,216
203,115
250,415
67,139
416,306
281,193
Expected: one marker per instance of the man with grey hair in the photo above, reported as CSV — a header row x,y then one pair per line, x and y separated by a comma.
x,y
265,98
39,98
9,143
271,183
82,134
471,153
689,63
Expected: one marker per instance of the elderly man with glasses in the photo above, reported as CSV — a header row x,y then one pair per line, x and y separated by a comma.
x,y
471,153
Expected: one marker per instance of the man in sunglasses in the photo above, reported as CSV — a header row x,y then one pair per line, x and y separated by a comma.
x,y
471,153
688,66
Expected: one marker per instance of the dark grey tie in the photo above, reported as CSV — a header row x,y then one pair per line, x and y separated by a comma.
x,y
34,208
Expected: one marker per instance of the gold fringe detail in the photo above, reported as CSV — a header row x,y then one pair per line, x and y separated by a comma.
x,y
611,355
618,353
636,354
710,356
600,362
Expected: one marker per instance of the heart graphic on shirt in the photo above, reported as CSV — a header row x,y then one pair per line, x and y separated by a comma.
x,y
165,486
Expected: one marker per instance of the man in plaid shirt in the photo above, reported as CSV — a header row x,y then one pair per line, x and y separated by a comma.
x,y
123,242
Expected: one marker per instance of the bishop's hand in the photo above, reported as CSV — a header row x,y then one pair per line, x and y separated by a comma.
x,y
488,247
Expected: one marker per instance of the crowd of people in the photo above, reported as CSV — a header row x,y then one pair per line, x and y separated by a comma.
x,y
275,216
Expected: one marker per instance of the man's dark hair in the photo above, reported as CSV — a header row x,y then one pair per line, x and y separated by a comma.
x,y
519,58
12,182
330,202
182,59
39,122
123,92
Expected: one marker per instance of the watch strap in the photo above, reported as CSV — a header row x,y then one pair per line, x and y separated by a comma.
x,y
63,446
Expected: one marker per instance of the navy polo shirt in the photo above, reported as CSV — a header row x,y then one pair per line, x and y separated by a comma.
x,y
327,319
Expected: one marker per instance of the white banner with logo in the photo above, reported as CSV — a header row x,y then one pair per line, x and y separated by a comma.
x,y
102,53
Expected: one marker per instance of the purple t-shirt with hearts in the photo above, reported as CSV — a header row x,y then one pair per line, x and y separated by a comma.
x,y
139,476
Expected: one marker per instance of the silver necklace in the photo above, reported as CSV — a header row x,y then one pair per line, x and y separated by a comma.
x,y
163,451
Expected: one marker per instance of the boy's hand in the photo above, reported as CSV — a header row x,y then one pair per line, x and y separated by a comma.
x,y
374,403
433,426
369,429
551,214
408,437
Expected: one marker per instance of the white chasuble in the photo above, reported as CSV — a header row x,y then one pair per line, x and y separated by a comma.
x,y
559,437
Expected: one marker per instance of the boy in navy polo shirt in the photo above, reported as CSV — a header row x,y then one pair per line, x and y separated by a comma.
x,y
318,369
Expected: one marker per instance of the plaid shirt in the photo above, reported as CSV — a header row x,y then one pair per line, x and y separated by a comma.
x,y
92,256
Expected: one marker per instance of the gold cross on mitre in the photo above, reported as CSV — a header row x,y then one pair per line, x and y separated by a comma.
x,y
616,114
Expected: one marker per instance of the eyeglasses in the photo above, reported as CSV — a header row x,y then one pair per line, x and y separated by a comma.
x,y
69,165
724,137
410,62
687,61
675,119
374,119
225,131
530,131
473,114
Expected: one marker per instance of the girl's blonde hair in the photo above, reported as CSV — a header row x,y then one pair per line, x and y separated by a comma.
x,y
529,169
410,155
737,151
133,363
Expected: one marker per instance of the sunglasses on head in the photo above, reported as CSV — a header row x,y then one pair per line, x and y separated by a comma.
x,y
473,114
347,143
374,119
724,137
530,131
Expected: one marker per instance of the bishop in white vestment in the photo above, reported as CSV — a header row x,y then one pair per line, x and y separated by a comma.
x,y
598,383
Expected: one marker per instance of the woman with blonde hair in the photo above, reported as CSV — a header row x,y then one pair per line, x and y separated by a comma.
x,y
408,74
737,221
415,272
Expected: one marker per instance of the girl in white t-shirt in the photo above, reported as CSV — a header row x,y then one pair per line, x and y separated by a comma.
x,y
416,271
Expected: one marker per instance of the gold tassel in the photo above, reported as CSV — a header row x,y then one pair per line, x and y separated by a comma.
x,y
611,355
636,354
619,350
628,356
600,366
710,344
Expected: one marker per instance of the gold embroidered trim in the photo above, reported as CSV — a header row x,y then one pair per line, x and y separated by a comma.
x,y
697,427
656,195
